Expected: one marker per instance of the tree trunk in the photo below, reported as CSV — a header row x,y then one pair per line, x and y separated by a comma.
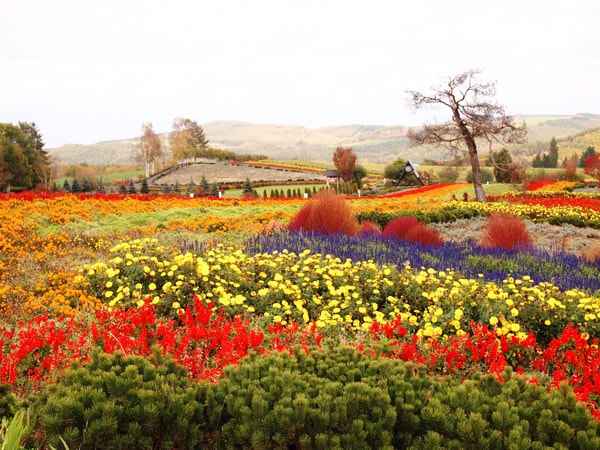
x,y
473,157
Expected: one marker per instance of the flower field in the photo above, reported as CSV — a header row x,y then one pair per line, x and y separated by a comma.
x,y
209,282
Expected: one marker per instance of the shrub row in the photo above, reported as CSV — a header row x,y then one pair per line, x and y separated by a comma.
x,y
446,214
319,399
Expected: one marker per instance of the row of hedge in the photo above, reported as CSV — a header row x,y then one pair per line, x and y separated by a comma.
x,y
320,399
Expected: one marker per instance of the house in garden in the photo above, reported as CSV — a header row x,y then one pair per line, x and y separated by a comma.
x,y
331,176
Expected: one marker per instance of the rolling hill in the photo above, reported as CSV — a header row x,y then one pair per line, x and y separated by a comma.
x,y
372,143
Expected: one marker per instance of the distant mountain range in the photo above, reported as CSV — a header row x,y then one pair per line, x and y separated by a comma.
x,y
371,143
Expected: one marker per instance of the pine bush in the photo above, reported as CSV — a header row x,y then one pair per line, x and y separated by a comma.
x,y
122,402
336,397
505,231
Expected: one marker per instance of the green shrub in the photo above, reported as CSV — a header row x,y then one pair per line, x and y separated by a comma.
x,y
8,401
122,402
340,398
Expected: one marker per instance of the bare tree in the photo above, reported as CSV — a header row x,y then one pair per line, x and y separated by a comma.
x,y
475,118
149,149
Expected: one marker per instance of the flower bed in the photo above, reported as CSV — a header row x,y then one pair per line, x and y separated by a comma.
x,y
209,282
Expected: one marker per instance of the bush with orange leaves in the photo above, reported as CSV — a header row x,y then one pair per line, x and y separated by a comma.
x,y
328,213
503,230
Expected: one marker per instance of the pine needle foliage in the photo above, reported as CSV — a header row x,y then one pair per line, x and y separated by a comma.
x,y
338,398
122,402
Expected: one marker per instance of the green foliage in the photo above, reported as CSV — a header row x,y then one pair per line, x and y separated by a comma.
x,y
448,174
75,186
119,402
337,397
502,167
14,431
23,161
487,176
247,189
144,189
441,215
332,399
131,187
8,401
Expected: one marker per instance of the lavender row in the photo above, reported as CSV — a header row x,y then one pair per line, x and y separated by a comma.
x,y
566,271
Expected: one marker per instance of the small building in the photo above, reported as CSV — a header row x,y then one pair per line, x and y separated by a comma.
x,y
331,176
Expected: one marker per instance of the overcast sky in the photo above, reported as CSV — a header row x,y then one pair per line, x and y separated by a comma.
x,y
90,71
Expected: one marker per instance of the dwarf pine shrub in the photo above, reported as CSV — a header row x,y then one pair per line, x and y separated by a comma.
x,y
340,398
116,402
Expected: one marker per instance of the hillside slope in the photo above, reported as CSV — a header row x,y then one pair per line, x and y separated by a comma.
x,y
372,143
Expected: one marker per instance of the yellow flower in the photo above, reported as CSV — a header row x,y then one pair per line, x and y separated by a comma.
x,y
152,287
175,305
514,312
493,321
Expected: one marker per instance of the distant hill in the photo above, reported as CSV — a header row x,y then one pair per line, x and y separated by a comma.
x,y
372,143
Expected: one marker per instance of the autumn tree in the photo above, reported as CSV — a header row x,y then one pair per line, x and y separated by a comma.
x,y
475,118
591,166
345,162
590,151
149,150
187,140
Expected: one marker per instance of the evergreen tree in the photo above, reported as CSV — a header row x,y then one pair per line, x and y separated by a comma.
x,y
204,184
131,187
122,189
100,186
502,166
177,187
144,189
214,190
590,151
23,161
75,186
67,185
247,187
553,154
86,186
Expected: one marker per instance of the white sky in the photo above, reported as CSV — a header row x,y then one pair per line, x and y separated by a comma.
x,y
88,71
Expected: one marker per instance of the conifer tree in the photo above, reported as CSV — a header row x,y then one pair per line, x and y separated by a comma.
x,y
131,187
553,154
75,186
100,186
67,185
144,189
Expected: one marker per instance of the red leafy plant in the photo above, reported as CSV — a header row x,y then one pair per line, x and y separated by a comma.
x,y
329,213
369,228
505,231
410,229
